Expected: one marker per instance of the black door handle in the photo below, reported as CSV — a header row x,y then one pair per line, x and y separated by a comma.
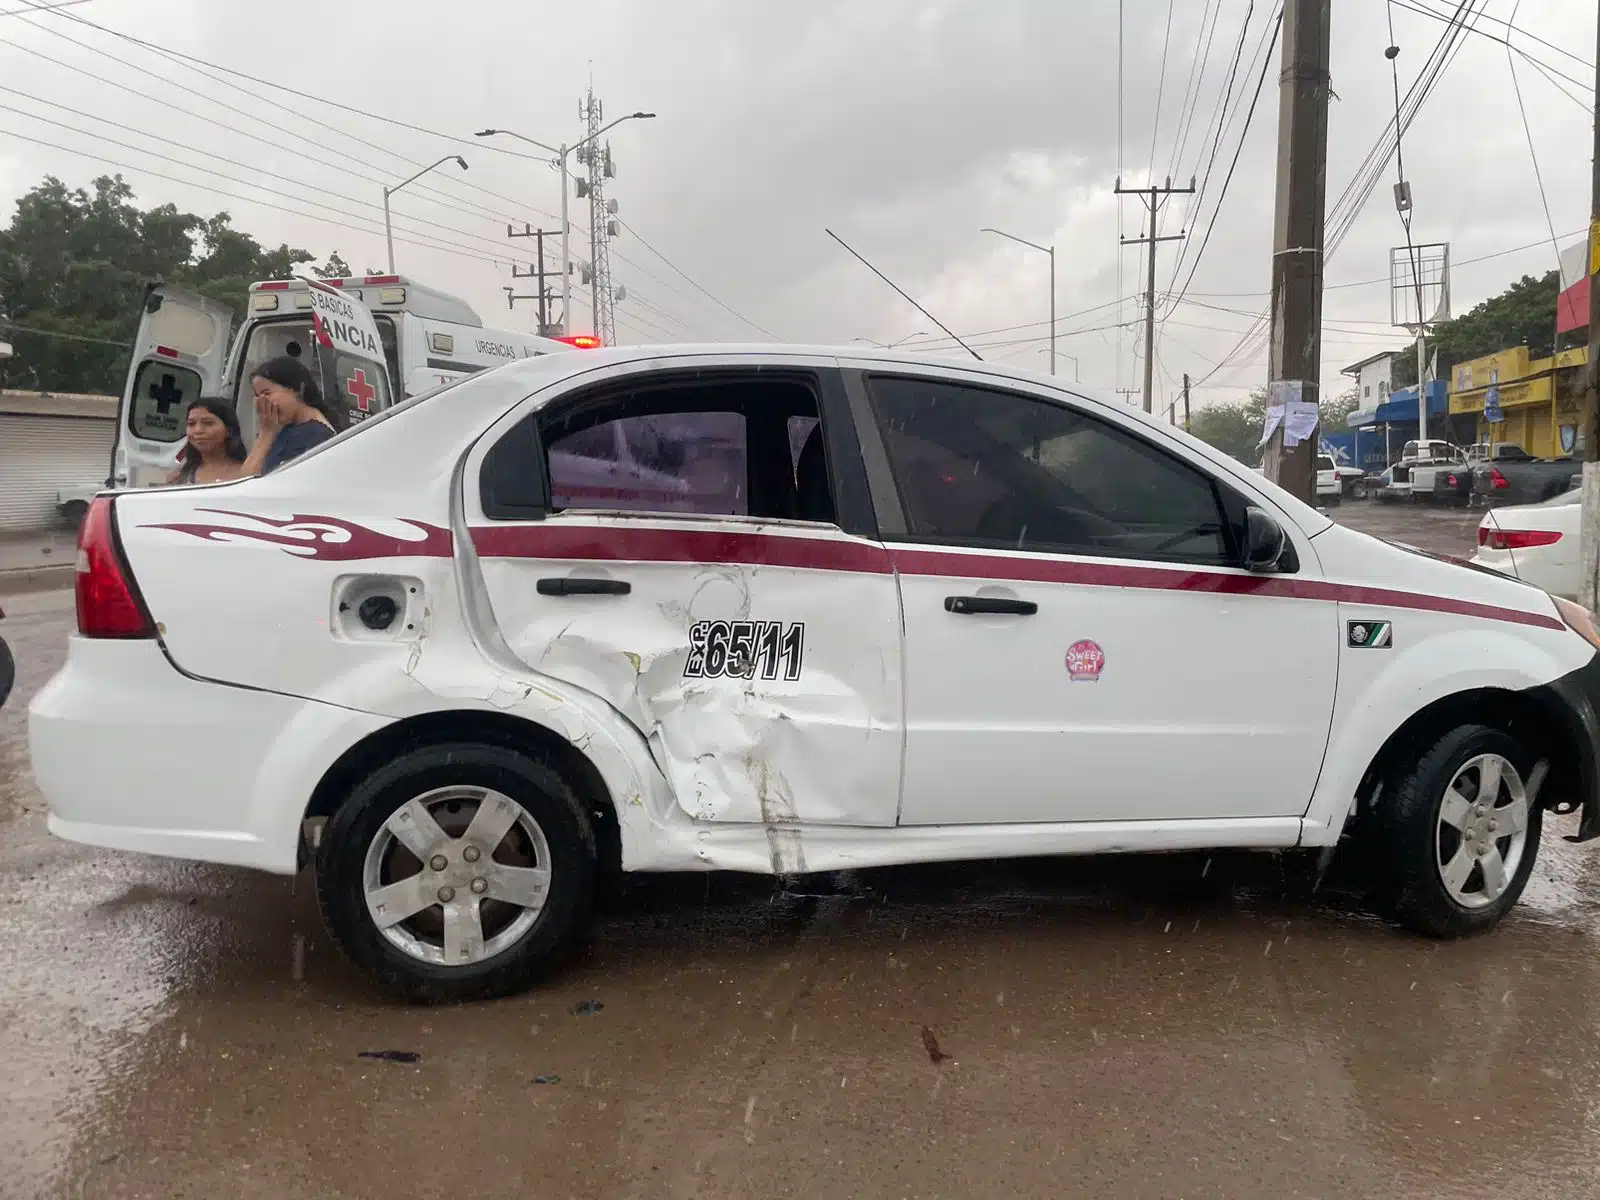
x,y
568,586
965,605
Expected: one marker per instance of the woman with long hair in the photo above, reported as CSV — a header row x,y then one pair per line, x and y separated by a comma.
x,y
214,451
291,414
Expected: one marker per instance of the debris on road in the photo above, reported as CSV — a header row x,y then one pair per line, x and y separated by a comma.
x,y
931,1043
394,1056
587,1008
547,1079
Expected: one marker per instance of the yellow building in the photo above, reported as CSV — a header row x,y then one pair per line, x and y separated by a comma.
x,y
1536,399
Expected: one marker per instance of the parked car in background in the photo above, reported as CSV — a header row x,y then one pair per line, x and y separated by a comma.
x,y
1537,543
1421,463
1453,485
1352,482
1510,475
1329,486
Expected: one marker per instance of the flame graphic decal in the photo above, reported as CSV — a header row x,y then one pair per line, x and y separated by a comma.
x,y
321,537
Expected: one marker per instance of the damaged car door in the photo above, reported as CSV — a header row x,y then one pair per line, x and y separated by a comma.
x,y
695,545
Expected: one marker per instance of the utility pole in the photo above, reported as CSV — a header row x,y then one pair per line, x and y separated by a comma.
x,y
1186,402
1589,589
1152,197
1128,392
1295,357
542,296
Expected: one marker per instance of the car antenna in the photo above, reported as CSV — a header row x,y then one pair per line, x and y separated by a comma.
x,y
899,289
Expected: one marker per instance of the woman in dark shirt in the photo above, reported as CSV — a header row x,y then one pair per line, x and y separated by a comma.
x,y
214,451
291,414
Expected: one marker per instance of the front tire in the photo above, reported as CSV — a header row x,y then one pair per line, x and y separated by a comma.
x,y
1459,834
457,872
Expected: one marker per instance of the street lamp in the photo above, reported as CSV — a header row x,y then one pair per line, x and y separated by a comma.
x,y
1051,251
560,163
388,233
1064,354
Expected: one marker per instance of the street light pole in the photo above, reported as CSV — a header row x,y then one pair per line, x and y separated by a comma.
x,y
1051,251
388,230
560,163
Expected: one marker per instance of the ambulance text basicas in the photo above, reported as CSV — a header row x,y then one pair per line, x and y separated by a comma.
x,y
429,337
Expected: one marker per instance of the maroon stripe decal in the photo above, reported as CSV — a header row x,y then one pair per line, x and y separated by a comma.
x,y
313,536
616,543
621,544
1093,574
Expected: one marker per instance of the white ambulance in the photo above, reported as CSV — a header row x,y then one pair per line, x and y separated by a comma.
x,y
185,349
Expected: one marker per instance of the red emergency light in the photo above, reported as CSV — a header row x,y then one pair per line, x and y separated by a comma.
x,y
583,341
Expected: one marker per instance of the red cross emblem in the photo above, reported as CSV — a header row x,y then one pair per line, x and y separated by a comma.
x,y
362,392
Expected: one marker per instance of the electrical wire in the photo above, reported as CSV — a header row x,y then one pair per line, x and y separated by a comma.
x,y
1237,150
696,286
1533,154
1510,28
58,333
1191,91
1161,87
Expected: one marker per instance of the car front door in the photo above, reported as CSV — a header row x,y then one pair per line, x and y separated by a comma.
x,y
1080,644
695,545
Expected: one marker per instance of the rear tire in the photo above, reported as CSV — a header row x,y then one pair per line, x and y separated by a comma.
x,y
485,856
1457,835
8,671
1358,491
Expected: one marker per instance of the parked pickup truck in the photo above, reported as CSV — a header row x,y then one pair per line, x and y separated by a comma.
x,y
1510,475
1424,468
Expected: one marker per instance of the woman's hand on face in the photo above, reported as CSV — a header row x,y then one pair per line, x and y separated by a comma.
x,y
268,418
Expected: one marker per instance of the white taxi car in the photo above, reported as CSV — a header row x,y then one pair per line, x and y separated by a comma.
x,y
1538,543
899,610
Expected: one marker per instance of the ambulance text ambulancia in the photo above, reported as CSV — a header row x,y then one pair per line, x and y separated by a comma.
x,y
785,611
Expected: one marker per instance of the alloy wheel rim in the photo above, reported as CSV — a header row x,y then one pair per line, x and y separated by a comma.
x,y
456,875
1482,830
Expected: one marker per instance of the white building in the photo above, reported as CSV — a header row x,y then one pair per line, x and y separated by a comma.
x,y
1372,376
50,442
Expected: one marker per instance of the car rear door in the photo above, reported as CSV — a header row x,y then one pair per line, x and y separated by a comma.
x,y
179,355
1080,645
684,539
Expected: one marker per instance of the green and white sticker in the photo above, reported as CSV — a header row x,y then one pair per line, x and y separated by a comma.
x,y
1371,635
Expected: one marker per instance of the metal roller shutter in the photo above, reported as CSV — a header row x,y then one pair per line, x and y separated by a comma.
x,y
41,455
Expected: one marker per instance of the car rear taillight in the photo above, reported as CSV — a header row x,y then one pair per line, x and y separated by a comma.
x,y
1454,482
1497,480
109,605
1516,539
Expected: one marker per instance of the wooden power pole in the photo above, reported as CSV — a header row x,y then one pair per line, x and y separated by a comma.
x,y
1186,402
1589,540
1295,357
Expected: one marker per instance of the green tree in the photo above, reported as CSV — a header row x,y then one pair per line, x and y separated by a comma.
x,y
334,268
1233,427
74,264
1522,315
1336,412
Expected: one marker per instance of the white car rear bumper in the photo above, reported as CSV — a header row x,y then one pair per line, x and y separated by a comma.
x,y
133,755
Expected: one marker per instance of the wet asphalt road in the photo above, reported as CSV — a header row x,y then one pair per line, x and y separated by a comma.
x,y
1182,1027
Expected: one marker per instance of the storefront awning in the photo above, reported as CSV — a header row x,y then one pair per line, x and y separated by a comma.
x,y
1361,418
1402,406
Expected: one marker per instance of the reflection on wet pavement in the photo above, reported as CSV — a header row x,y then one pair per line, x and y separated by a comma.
x,y
1189,1026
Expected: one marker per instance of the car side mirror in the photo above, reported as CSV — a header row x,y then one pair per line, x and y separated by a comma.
x,y
1263,541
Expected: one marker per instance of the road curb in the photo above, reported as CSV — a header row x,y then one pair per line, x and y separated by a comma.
x,y
36,579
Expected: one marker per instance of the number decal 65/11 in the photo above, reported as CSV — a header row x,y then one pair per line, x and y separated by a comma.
x,y
745,650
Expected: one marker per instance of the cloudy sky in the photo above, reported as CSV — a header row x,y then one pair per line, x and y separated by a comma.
x,y
906,126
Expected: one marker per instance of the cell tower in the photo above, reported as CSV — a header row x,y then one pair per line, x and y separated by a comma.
x,y
602,213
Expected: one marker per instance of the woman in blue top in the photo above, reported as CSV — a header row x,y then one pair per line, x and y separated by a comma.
x,y
291,414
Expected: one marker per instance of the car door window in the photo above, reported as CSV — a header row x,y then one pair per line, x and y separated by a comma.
x,y
1000,469
162,394
735,448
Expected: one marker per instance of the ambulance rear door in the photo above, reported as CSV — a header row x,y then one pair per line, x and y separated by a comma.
x,y
179,355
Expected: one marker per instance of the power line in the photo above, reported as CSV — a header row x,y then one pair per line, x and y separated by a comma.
x,y
232,162
1161,88
203,69
1533,154
57,333
1244,134
1191,97
693,284
1510,28
205,187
